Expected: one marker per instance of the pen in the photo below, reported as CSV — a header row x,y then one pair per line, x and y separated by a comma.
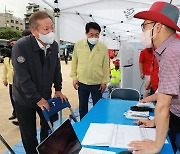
x,y
141,123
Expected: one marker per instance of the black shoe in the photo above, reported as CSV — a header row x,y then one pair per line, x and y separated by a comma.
x,y
15,123
12,117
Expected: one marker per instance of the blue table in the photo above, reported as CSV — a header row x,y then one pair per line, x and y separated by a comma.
x,y
109,111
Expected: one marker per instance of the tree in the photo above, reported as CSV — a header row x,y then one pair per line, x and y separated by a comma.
x,y
9,33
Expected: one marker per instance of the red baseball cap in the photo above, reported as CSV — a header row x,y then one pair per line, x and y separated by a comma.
x,y
116,62
178,35
162,12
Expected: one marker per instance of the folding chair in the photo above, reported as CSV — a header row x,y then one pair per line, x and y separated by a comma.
x,y
56,105
7,145
125,94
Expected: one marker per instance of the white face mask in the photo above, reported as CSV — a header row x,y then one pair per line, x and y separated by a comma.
x,y
146,38
93,40
48,38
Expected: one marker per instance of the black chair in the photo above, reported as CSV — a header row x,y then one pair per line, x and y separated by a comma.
x,y
125,94
7,145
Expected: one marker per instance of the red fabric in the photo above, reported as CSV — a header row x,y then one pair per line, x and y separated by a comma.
x,y
116,63
146,58
178,35
157,8
154,70
155,14
111,53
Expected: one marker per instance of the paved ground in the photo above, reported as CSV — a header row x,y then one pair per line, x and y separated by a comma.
x,y
11,132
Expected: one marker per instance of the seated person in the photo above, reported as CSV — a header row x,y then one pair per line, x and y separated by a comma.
x,y
115,75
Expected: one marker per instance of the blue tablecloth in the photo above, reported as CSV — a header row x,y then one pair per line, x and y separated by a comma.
x,y
109,111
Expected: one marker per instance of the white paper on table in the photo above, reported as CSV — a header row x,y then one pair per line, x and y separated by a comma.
x,y
148,104
114,135
94,151
149,133
124,134
137,114
98,134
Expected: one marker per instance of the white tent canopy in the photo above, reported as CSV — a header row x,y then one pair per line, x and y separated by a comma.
x,y
116,16
121,29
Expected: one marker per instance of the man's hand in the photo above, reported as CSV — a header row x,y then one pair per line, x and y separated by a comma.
x,y
145,100
147,85
5,83
144,146
75,84
145,123
142,76
150,98
60,95
43,104
102,87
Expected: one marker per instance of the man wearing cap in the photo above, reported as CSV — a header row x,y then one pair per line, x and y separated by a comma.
x,y
159,30
115,76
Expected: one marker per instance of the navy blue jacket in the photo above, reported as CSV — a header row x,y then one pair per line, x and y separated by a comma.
x,y
34,74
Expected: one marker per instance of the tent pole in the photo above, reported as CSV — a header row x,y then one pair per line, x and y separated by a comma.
x,y
57,26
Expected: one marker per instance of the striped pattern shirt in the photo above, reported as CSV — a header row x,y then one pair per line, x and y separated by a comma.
x,y
168,56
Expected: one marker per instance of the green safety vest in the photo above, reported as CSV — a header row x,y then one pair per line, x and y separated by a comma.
x,y
115,76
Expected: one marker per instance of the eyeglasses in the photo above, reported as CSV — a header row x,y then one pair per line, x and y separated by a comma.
x,y
143,25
